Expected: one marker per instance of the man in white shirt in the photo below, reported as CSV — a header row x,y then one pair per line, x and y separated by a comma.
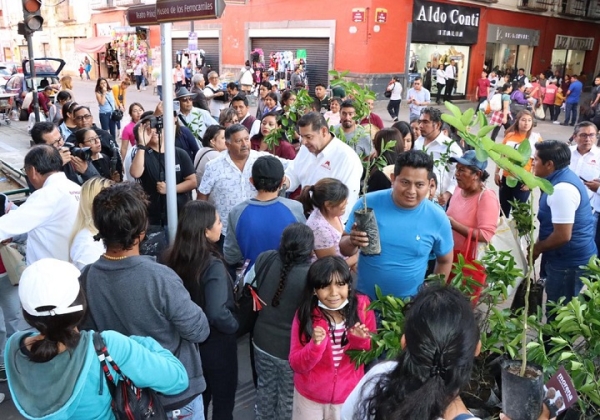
x,y
437,144
226,180
418,98
217,97
196,119
49,213
450,80
322,155
585,162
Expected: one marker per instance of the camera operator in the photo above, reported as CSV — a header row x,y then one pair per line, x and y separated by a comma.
x,y
148,167
89,144
84,119
75,169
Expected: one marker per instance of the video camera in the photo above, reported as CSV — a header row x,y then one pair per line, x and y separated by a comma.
x,y
155,122
83,153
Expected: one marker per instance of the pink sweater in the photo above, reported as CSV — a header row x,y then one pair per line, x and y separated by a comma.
x,y
315,376
475,213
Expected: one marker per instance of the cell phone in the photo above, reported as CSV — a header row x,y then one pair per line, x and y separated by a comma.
x,y
176,106
584,180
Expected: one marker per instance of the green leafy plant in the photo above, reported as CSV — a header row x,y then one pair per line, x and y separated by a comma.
x,y
375,162
289,118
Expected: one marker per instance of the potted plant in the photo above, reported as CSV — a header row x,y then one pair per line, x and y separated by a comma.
x,y
289,118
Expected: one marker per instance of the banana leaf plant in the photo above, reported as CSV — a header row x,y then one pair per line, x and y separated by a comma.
x,y
474,130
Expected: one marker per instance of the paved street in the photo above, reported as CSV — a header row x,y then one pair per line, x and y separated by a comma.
x,y
14,144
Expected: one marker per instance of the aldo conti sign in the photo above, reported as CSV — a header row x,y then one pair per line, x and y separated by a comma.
x,y
446,23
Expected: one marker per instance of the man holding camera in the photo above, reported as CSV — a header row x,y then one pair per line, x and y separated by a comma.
x,y
148,166
75,169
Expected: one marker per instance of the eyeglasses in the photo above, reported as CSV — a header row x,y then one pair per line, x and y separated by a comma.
x,y
83,117
186,99
58,141
93,140
589,136
425,122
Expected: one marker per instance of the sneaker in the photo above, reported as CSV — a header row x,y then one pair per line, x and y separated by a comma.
x,y
555,122
2,396
563,123
395,119
2,373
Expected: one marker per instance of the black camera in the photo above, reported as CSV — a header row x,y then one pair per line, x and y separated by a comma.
x,y
155,122
83,153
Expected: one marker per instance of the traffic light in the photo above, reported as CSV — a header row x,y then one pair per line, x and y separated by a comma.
x,y
32,18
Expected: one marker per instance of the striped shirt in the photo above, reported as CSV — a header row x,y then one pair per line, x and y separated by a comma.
x,y
337,351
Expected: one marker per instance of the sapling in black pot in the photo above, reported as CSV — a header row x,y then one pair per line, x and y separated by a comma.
x,y
527,402
365,217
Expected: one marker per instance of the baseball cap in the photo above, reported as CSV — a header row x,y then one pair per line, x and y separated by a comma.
x,y
267,167
49,287
470,159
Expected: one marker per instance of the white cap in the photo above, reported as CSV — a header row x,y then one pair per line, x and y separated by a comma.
x,y
49,287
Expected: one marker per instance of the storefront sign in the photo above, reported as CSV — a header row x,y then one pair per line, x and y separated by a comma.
x,y
186,10
193,41
498,34
443,22
142,15
565,42
381,15
358,15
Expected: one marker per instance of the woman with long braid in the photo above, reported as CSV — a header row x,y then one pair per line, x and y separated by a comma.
x,y
280,279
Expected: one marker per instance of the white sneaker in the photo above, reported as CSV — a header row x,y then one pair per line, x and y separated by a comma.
x,y
555,122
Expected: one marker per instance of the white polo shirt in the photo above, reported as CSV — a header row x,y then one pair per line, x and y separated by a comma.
x,y
439,146
587,166
198,120
47,217
337,160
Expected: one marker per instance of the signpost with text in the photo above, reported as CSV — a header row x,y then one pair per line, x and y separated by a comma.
x,y
164,12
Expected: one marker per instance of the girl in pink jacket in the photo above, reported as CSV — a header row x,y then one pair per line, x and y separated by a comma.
x,y
331,319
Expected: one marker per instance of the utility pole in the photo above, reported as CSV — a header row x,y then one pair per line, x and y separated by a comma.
x,y
32,22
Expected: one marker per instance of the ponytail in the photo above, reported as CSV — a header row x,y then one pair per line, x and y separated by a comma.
x,y
306,199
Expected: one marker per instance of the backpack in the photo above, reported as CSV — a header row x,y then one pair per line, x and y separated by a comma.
x,y
496,102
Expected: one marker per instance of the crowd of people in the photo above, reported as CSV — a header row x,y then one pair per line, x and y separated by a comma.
x,y
283,217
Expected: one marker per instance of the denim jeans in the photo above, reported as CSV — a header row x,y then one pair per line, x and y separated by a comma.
x,y
564,282
507,194
11,316
107,124
220,367
570,113
193,411
393,107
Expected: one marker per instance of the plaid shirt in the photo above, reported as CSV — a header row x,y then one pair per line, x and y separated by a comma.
x,y
496,118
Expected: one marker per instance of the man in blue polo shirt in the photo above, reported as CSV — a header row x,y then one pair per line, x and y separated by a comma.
x,y
572,101
410,228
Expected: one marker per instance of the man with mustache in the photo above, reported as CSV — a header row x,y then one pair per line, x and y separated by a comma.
x,y
226,180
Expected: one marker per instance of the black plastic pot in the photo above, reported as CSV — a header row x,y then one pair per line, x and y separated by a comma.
x,y
536,297
522,397
366,222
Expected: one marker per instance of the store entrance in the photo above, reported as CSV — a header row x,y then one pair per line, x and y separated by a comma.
x,y
507,58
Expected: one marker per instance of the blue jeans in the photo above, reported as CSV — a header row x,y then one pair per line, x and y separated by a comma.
x,y
564,282
193,411
570,113
11,316
107,124
159,91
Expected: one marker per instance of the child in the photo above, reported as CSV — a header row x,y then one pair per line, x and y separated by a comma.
x,y
331,319
81,69
558,101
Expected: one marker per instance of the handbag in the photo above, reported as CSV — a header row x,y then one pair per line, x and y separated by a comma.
x,y
128,401
248,301
14,263
539,113
387,93
116,115
472,270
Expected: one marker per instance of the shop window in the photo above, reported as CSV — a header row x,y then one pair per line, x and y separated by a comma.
x,y
440,55
533,5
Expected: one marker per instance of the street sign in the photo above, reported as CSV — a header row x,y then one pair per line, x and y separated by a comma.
x,y
358,14
142,15
186,10
193,41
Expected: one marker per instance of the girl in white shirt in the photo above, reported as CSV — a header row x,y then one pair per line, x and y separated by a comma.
x,y
440,76
83,249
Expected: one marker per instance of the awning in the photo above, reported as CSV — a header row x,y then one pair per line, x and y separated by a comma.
x,y
92,45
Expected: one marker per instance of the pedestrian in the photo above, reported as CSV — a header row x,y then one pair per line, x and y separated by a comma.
x,y
502,117
280,280
440,81
196,259
451,77
395,87
106,104
418,98
127,137
332,319
482,91
178,77
81,70
87,66
572,101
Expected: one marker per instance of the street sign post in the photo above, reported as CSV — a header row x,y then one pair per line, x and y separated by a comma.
x,y
164,12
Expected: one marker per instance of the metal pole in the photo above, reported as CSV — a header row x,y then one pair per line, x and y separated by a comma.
x,y
169,124
36,104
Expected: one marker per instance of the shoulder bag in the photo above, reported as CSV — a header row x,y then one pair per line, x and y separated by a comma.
x,y
116,114
128,401
14,263
248,301
388,93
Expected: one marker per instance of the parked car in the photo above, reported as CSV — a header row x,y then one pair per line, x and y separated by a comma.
x,y
4,76
22,84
